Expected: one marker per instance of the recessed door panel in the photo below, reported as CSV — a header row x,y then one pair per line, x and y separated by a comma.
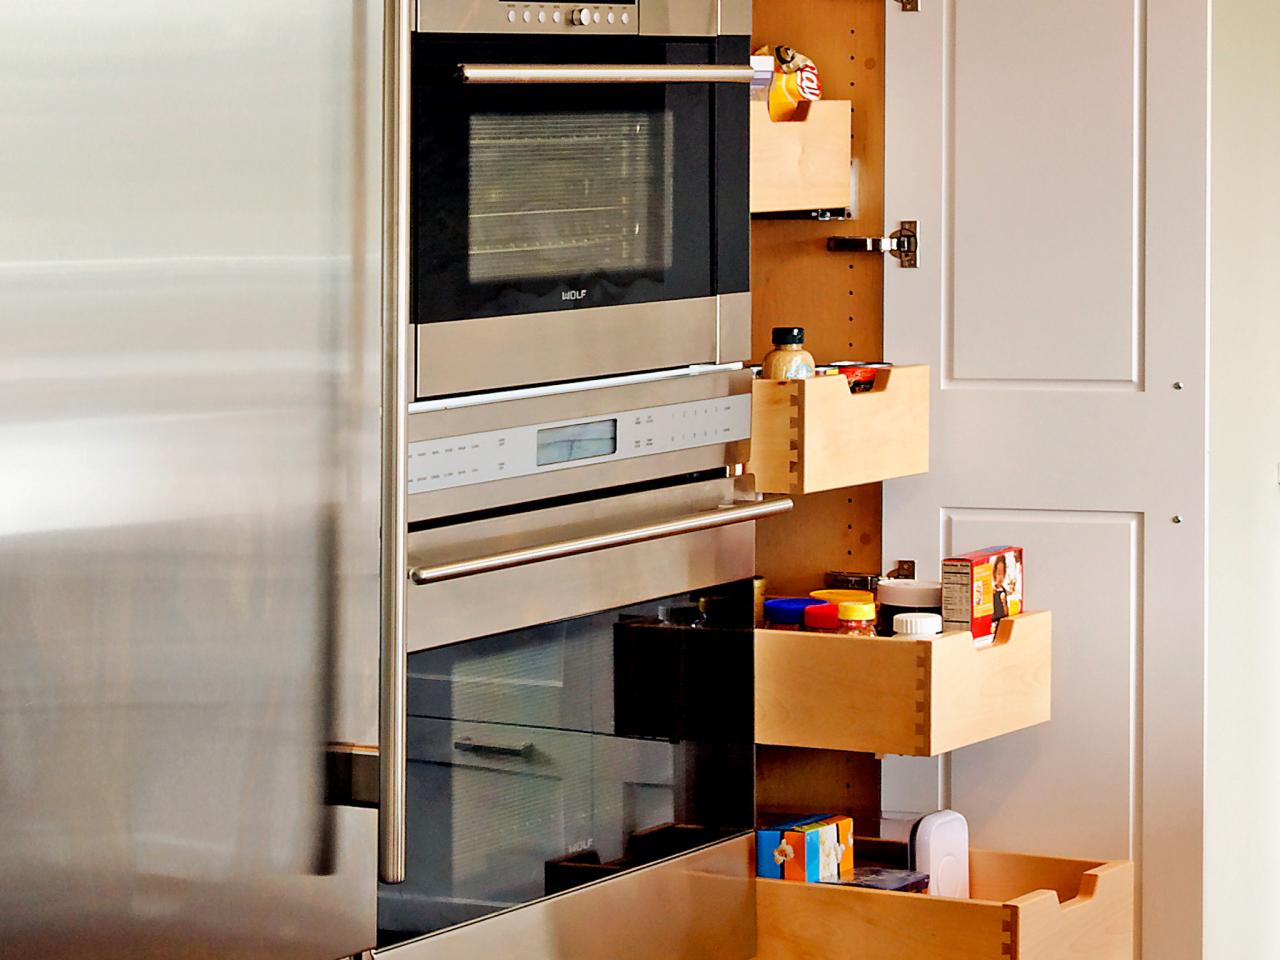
x,y
1086,568
1046,149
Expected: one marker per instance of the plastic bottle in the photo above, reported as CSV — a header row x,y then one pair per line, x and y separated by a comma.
x,y
788,360
916,626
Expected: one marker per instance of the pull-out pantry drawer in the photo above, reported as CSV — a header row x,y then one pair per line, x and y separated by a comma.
x,y
911,697
1022,908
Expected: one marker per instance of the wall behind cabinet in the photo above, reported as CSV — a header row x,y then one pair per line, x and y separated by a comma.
x,y
1242,779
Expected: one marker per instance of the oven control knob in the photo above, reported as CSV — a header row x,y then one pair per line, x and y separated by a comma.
x,y
580,16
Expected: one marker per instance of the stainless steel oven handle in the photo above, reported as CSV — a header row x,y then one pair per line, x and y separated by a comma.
x,y
603,73
690,523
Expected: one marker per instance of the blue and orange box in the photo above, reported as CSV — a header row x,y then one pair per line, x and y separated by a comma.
x,y
811,849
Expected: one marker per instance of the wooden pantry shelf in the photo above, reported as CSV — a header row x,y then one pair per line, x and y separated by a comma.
x,y
801,164
908,697
814,435
1022,908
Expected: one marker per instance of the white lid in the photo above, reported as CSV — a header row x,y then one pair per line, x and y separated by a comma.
x,y
910,593
917,625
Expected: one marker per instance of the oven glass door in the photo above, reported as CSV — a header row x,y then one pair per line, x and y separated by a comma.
x,y
550,757
540,197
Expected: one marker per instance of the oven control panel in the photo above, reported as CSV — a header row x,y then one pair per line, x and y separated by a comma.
x,y
525,451
561,18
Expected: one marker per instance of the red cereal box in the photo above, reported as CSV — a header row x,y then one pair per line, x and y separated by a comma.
x,y
981,588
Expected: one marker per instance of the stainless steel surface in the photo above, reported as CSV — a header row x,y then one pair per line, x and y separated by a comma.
x,y
696,906
552,407
735,18
566,345
577,386
707,520
453,610
689,18
189,363
679,18
397,34
602,73
734,329
523,749
505,17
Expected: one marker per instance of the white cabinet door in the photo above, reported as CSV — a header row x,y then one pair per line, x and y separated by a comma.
x,y
1054,155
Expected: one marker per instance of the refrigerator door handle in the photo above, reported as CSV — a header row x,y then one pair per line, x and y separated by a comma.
x,y
691,523
397,34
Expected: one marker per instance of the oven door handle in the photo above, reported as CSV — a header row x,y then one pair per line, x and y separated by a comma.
x,y
603,73
690,523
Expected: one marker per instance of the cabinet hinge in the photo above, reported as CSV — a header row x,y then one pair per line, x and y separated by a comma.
x,y
909,6
902,244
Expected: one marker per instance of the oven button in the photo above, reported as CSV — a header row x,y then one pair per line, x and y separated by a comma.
x,y
511,16
528,16
580,16
556,16
626,17
542,16
610,17
597,16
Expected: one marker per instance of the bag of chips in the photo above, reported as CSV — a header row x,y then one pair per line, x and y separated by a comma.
x,y
795,83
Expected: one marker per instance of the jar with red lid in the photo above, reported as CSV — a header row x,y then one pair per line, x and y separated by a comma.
x,y
822,618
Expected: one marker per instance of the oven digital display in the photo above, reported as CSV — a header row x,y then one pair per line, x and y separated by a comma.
x,y
577,441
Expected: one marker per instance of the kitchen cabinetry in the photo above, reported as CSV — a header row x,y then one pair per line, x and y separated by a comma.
x,y
1053,158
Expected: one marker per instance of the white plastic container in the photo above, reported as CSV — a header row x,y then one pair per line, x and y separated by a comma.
x,y
916,626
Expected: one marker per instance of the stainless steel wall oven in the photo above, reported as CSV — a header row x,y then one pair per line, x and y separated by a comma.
x,y
578,726
580,190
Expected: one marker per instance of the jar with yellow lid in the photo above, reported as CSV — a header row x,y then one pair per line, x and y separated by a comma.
x,y
857,619
833,595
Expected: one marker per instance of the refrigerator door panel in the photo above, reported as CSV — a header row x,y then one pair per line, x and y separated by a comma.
x,y
189,471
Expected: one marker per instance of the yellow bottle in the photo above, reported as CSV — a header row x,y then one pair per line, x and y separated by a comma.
x,y
788,360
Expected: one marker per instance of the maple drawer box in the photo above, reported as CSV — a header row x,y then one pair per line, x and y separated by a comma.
x,y
801,164
813,435
1020,908
907,697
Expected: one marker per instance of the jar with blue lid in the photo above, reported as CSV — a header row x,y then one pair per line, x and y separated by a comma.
x,y
787,613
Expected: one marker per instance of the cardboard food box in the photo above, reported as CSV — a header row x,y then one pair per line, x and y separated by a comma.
x,y
810,850
887,878
981,588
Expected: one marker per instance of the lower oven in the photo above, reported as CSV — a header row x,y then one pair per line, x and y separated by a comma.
x,y
580,727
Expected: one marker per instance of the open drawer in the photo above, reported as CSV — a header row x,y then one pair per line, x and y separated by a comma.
x,y
909,697
803,164
1022,908
812,435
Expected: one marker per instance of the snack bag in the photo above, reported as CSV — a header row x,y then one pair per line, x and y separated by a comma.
x,y
795,83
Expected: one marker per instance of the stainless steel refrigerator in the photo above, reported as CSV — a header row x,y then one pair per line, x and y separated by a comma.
x,y
190,374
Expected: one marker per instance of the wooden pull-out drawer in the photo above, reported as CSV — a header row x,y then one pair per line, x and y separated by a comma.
x,y
1022,908
812,435
909,697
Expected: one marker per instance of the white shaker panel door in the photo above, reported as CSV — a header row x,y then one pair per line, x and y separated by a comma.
x,y
1055,158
